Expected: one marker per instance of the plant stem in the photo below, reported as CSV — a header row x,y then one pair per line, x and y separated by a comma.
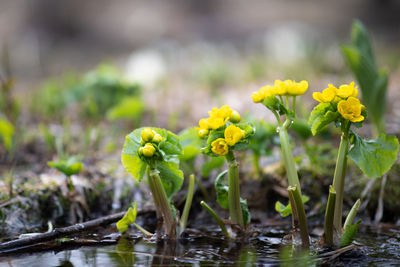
x,y
294,104
216,217
338,178
352,214
161,202
188,203
287,155
277,117
235,210
141,229
329,213
256,164
295,196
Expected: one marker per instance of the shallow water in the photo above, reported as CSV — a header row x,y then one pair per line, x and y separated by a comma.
x,y
374,247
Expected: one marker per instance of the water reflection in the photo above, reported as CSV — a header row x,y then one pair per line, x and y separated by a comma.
x,y
211,250
172,252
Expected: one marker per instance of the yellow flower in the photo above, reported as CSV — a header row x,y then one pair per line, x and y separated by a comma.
x,y
258,96
148,150
267,90
216,122
280,87
203,123
299,89
291,88
233,134
327,94
224,112
147,134
347,90
350,109
219,147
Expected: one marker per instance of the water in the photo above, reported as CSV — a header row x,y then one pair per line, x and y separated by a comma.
x,y
374,247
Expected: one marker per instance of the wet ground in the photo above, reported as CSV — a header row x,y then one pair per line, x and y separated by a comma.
x,y
374,246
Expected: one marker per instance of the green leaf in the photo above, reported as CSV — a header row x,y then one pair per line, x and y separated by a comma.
x,y
129,218
373,82
320,116
301,129
285,211
211,164
129,108
191,144
6,133
245,211
374,157
349,234
130,158
222,189
171,177
68,167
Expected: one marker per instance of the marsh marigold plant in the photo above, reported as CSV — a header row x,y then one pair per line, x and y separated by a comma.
x,y
342,107
224,133
280,98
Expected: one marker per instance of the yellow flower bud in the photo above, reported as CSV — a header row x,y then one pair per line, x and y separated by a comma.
x,y
235,117
233,135
140,151
157,138
347,90
202,133
257,97
350,109
147,134
148,150
219,147
327,94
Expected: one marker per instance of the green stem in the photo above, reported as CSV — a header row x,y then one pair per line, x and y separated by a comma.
x,y
329,213
294,104
235,210
287,155
352,214
216,217
71,187
277,117
161,202
141,229
338,178
256,164
295,195
287,102
188,203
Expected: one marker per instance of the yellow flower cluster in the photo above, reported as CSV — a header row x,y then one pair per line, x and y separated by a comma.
x,y
218,117
148,136
232,136
329,94
346,98
282,88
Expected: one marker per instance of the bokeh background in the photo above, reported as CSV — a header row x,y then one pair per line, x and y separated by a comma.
x,y
232,46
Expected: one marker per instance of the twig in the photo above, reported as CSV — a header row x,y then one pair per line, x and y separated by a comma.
x,y
61,232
